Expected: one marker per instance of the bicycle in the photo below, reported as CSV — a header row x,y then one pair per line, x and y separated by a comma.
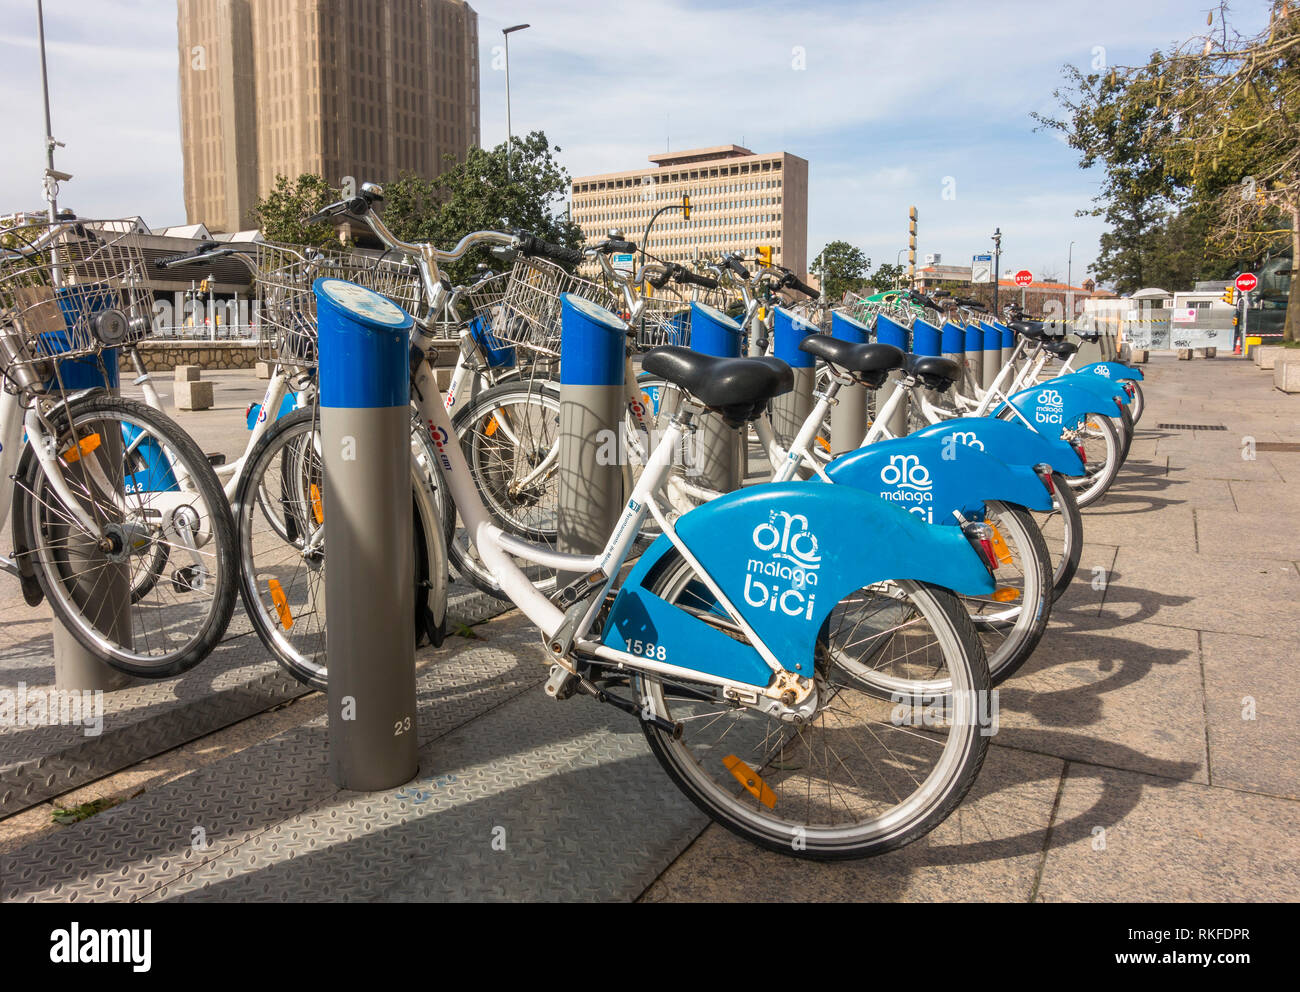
x,y
104,489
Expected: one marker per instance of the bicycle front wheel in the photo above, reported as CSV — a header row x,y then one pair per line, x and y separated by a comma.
x,y
151,591
280,512
870,771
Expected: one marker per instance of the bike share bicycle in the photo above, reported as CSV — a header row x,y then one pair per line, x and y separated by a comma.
x,y
104,489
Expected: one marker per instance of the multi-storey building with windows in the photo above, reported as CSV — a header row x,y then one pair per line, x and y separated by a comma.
x,y
739,201
362,88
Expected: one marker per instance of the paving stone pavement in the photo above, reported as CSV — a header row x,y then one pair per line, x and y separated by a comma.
x,y
1148,750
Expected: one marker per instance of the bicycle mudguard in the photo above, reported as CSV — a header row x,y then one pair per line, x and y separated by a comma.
x,y
784,554
1094,384
1110,370
936,479
1009,441
148,470
1059,406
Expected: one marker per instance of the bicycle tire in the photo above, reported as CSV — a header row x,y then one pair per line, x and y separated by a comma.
x,y
142,529
732,808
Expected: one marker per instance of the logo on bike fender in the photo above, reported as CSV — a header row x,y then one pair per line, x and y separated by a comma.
x,y
1101,370
1050,408
966,438
911,485
788,575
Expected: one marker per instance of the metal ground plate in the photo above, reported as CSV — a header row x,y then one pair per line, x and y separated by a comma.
x,y
518,797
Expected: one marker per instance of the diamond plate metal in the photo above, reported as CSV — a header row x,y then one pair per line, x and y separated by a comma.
x,y
131,850
587,813
237,681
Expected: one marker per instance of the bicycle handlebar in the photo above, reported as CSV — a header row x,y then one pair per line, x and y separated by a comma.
x,y
795,283
687,277
530,244
211,249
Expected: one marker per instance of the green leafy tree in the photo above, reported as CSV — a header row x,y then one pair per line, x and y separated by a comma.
x,y
1201,149
475,195
842,268
281,213
885,278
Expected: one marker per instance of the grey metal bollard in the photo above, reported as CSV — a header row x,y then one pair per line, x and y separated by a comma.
x,y
76,668
992,354
369,598
974,363
593,402
849,415
1008,343
952,344
790,410
716,458
889,331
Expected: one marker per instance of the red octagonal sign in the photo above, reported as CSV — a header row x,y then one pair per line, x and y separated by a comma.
x,y
1024,277
1246,282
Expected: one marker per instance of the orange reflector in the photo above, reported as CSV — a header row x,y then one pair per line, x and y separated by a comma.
x,y
826,445
491,426
317,509
84,447
1000,546
281,602
750,779
1005,594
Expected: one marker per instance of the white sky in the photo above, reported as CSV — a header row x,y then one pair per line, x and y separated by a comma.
x,y
893,100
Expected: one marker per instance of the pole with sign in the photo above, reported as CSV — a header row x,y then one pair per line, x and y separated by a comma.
x,y
1246,284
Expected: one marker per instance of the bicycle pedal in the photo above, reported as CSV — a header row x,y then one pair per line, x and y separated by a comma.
x,y
562,683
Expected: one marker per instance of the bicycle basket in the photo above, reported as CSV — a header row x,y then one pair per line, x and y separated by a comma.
x,y
287,324
69,290
527,314
666,320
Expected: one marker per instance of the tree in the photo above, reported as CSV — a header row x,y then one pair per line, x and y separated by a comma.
x,y
1201,147
280,214
842,268
886,277
474,195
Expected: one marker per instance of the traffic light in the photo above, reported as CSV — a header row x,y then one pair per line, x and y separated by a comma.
x,y
203,286
686,205
765,254
1229,295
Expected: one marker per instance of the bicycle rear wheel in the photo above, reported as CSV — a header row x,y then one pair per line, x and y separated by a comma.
x,y
157,504
869,772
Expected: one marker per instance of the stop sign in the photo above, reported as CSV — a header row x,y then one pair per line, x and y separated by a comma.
x,y
1024,277
1246,282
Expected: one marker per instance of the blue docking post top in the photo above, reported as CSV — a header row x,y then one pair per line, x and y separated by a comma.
x,y
925,339
717,451
849,415
365,343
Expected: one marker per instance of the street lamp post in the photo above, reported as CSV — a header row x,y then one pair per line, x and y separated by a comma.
x,y
1069,284
509,130
997,267
898,264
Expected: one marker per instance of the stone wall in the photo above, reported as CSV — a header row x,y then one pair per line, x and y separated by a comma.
x,y
163,356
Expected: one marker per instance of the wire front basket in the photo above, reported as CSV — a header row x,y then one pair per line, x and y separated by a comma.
x,y
69,290
522,309
285,277
666,320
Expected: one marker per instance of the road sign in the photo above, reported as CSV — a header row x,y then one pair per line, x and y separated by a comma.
x,y
1024,277
1246,282
981,269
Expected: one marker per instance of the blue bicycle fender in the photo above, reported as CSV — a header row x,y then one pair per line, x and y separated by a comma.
x,y
1059,407
1095,384
784,555
149,470
1111,370
1008,441
933,479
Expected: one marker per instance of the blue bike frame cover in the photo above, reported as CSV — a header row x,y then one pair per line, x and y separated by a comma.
x,y
1059,406
1110,370
935,479
784,554
1095,384
1008,441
